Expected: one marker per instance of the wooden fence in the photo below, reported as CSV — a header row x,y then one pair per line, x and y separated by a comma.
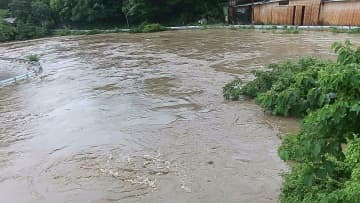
x,y
308,13
340,13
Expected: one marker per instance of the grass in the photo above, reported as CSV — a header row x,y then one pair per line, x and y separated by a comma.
x,y
290,30
354,31
349,31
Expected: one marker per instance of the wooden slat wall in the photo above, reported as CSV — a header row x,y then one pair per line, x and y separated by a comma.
x,y
315,12
340,13
298,15
272,14
256,15
282,15
263,14
328,13
303,2
275,14
307,15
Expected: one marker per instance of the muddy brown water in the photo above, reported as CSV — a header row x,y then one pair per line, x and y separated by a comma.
x,y
9,69
141,118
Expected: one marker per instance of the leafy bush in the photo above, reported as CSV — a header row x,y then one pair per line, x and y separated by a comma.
x,y
62,32
284,88
7,33
290,30
156,27
350,31
94,32
33,58
354,31
147,28
347,54
21,32
28,31
325,154
232,91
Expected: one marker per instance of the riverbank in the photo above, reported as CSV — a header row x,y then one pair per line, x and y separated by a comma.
x,y
326,95
276,28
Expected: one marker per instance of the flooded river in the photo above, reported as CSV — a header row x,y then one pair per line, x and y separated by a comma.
x,y
141,118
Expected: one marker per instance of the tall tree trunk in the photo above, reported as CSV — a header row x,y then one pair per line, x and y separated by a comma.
x,y
127,21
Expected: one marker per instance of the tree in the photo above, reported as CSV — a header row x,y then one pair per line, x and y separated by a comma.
x,y
86,11
41,13
21,9
4,4
133,7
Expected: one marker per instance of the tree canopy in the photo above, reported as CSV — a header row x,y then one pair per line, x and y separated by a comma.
x,y
65,12
35,18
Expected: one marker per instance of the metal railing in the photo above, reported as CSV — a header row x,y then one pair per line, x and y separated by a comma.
x,y
35,70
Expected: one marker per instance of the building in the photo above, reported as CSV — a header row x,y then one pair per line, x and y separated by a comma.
x,y
295,12
240,11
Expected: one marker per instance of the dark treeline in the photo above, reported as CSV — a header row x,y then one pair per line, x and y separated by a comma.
x,y
4,3
34,18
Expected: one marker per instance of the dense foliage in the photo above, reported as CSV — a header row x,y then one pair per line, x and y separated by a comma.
x,y
6,32
33,58
4,4
325,154
35,18
146,28
232,90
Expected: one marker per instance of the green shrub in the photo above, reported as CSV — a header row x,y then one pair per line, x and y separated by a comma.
x,y
325,154
7,33
28,31
156,27
337,30
61,32
204,27
290,30
324,172
232,91
350,31
33,58
347,53
354,31
287,88
147,28
94,32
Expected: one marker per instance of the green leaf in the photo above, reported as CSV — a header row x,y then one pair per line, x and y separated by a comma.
x,y
309,179
316,149
284,155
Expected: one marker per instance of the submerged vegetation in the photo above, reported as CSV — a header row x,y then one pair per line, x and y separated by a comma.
x,y
66,32
349,31
325,154
33,58
147,28
232,90
290,30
